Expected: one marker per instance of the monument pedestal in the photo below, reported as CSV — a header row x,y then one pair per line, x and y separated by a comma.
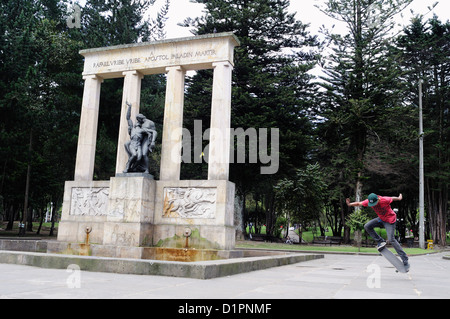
x,y
130,212
133,210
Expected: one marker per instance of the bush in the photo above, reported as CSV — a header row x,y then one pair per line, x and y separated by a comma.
x,y
281,221
357,220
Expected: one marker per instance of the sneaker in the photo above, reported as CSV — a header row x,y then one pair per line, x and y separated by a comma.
x,y
407,265
381,246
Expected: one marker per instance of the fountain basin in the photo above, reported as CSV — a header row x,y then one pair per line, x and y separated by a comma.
x,y
198,270
126,260
154,253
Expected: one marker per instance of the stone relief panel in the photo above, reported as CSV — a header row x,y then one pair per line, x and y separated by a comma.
x,y
89,201
187,202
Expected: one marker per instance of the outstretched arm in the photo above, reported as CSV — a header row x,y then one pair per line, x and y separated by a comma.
x,y
130,122
354,204
399,198
129,111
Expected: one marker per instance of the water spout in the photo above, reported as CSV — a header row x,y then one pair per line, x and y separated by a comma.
x,y
187,233
88,230
85,248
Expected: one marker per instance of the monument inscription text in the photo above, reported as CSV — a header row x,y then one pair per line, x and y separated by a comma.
x,y
154,58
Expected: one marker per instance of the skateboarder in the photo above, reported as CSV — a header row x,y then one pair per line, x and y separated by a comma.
x,y
387,218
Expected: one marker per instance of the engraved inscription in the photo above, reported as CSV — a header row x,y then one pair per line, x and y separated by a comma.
x,y
89,201
155,57
186,202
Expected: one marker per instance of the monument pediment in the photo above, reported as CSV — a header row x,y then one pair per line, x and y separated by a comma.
x,y
193,53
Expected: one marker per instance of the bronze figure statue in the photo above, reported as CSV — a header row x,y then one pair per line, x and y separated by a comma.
x,y
142,141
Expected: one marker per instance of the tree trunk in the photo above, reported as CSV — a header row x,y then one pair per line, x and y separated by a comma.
x,y
22,229
53,219
41,221
12,213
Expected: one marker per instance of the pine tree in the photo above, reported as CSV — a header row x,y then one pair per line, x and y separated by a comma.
x,y
424,51
271,86
361,85
36,71
360,91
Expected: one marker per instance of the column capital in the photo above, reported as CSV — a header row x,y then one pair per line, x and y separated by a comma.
x,y
222,63
93,77
175,68
133,72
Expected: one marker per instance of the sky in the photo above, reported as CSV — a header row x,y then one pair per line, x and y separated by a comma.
x,y
305,10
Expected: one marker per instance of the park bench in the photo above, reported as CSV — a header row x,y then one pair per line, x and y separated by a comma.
x,y
257,237
335,240
368,243
327,240
320,240
266,238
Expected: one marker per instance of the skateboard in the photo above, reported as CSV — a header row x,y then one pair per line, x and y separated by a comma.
x,y
396,262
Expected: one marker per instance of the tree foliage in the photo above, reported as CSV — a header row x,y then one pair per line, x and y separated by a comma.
x,y
271,84
302,196
358,121
423,48
41,92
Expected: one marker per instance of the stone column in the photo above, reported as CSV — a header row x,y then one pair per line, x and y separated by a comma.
x,y
87,137
131,94
219,141
173,124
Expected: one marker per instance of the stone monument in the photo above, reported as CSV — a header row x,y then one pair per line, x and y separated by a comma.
x,y
133,210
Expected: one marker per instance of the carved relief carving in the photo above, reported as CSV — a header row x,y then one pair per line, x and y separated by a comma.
x,y
89,201
186,202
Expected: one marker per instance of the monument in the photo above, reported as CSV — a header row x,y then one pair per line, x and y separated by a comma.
x,y
132,210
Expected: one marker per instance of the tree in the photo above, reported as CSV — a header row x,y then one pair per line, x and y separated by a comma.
x,y
360,87
424,48
41,90
271,86
34,106
302,196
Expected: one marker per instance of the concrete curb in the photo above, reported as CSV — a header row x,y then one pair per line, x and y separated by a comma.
x,y
198,270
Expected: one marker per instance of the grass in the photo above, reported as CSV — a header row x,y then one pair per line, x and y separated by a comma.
x,y
308,235
322,248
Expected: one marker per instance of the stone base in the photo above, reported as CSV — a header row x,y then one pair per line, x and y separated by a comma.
x,y
198,270
134,210
131,210
205,208
85,204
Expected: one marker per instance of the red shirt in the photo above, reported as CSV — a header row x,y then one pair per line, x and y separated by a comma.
x,y
383,209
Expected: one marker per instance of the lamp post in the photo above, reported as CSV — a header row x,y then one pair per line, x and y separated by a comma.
x,y
421,174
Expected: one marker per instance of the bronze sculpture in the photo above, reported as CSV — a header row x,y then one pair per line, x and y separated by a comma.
x,y
142,141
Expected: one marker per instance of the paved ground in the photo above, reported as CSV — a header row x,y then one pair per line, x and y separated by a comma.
x,y
335,276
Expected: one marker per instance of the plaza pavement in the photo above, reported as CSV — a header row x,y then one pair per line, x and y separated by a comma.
x,y
333,277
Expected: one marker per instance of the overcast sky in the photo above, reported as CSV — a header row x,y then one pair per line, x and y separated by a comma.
x,y
306,13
